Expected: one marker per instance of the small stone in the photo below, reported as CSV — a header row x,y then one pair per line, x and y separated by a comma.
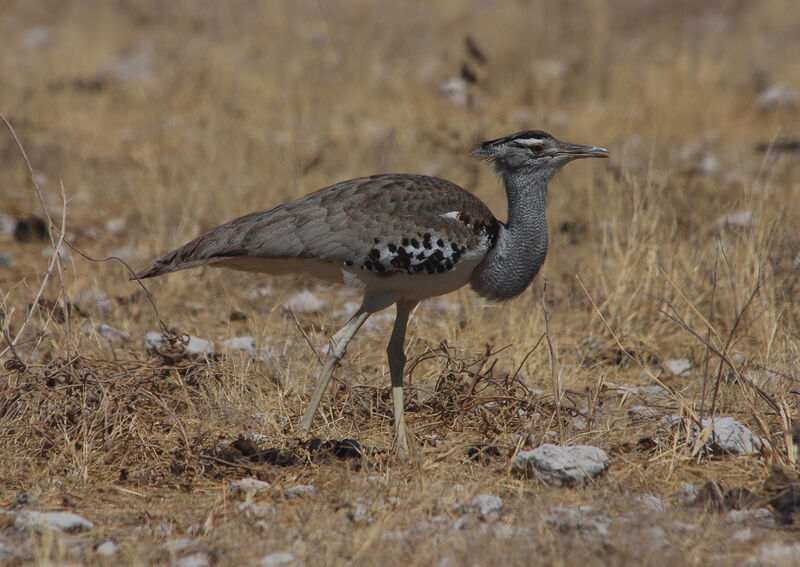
x,y
305,302
241,343
679,366
248,486
56,521
7,224
757,517
360,514
488,506
777,554
301,491
739,219
688,494
276,559
36,36
744,535
198,559
63,254
107,332
658,537
457,90
653,503
176,546
578,519
6,260
562,466
777,96
116,226
154,341
107,548
735,437
642,412
463,523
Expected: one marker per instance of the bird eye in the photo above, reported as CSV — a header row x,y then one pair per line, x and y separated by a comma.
x,y
537,149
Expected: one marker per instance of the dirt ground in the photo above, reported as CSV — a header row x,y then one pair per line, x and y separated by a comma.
x,y
673,283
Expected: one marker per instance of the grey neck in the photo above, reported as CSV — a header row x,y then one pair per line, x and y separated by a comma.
x,y
521,244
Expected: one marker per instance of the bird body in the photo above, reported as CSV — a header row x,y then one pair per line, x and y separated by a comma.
x,y
400,238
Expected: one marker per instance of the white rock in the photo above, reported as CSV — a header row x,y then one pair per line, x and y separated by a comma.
x,y
738,219
654,503
7,224
580,519
679,366
198,559
196,346
176,546
462,523
658,537
56,521
126,253
727,434
276,559
758,517
107,332
488,506
562,466
642,412
777,554
688,494
777,96
743,535
63,254
107,548
248,486
735,437
6,260
36,36
456,89
305,302
241,343
300,491
116,226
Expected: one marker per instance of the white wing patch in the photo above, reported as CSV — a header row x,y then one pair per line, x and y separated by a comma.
x,y
529,141
450,215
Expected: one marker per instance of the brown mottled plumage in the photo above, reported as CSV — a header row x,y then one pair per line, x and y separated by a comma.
x,y
400,238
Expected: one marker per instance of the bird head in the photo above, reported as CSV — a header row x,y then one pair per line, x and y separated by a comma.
x,y
533,151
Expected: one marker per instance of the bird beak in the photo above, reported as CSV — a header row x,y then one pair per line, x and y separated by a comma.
x,y
575,151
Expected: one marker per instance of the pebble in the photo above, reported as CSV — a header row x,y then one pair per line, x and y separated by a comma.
x,y
248,486
6,260
562,466
777,96
63,254
241,343
57,521
175,546
301,491
728,434
276,559
688,494
488,506
739,219
457,90
578,519
305,302
777,554
743,535
757,517
107,548
198,559
116,226
658,537
107,332
651,502
679,366
196,346
641,412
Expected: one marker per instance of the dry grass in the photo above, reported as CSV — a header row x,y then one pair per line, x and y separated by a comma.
x,y
175,117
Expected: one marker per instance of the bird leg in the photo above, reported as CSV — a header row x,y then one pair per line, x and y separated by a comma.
x,y
336,350
397,362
